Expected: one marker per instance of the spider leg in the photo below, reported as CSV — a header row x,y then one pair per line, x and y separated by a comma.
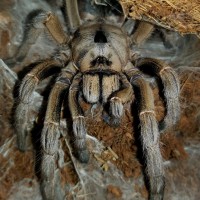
x,y
72,12
118,99
50,133
26,90
128,26
171,86
79,128
142,32
149,135
36,25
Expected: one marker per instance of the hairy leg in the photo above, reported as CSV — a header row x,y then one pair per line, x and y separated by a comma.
x,y
149,135
171,85
72,12
142,32
118,99
26,90
79,128
35,26
50,133
128,26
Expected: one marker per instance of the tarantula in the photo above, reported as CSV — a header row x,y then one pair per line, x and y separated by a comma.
x,y
97,63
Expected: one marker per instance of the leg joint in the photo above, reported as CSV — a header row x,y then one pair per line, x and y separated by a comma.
x,y
147,112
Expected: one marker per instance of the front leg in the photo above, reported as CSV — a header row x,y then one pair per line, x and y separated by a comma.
x,y
79,128
149,135
150,140
51,132
50,138
118,98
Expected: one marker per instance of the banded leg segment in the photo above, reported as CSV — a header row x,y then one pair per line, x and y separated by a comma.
x,y
50,133
79,128
118,99
171,86
149,135
54,27
49,139
25,98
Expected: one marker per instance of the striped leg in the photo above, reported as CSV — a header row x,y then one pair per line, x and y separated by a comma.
x,y
118,99
79,128
27,87
26,90
50,133
171,86
36,23
72,13
142,32
149,135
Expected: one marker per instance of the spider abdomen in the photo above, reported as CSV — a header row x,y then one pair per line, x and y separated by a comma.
x,y
98,87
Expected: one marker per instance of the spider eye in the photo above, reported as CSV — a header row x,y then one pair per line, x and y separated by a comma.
x,y
100,37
